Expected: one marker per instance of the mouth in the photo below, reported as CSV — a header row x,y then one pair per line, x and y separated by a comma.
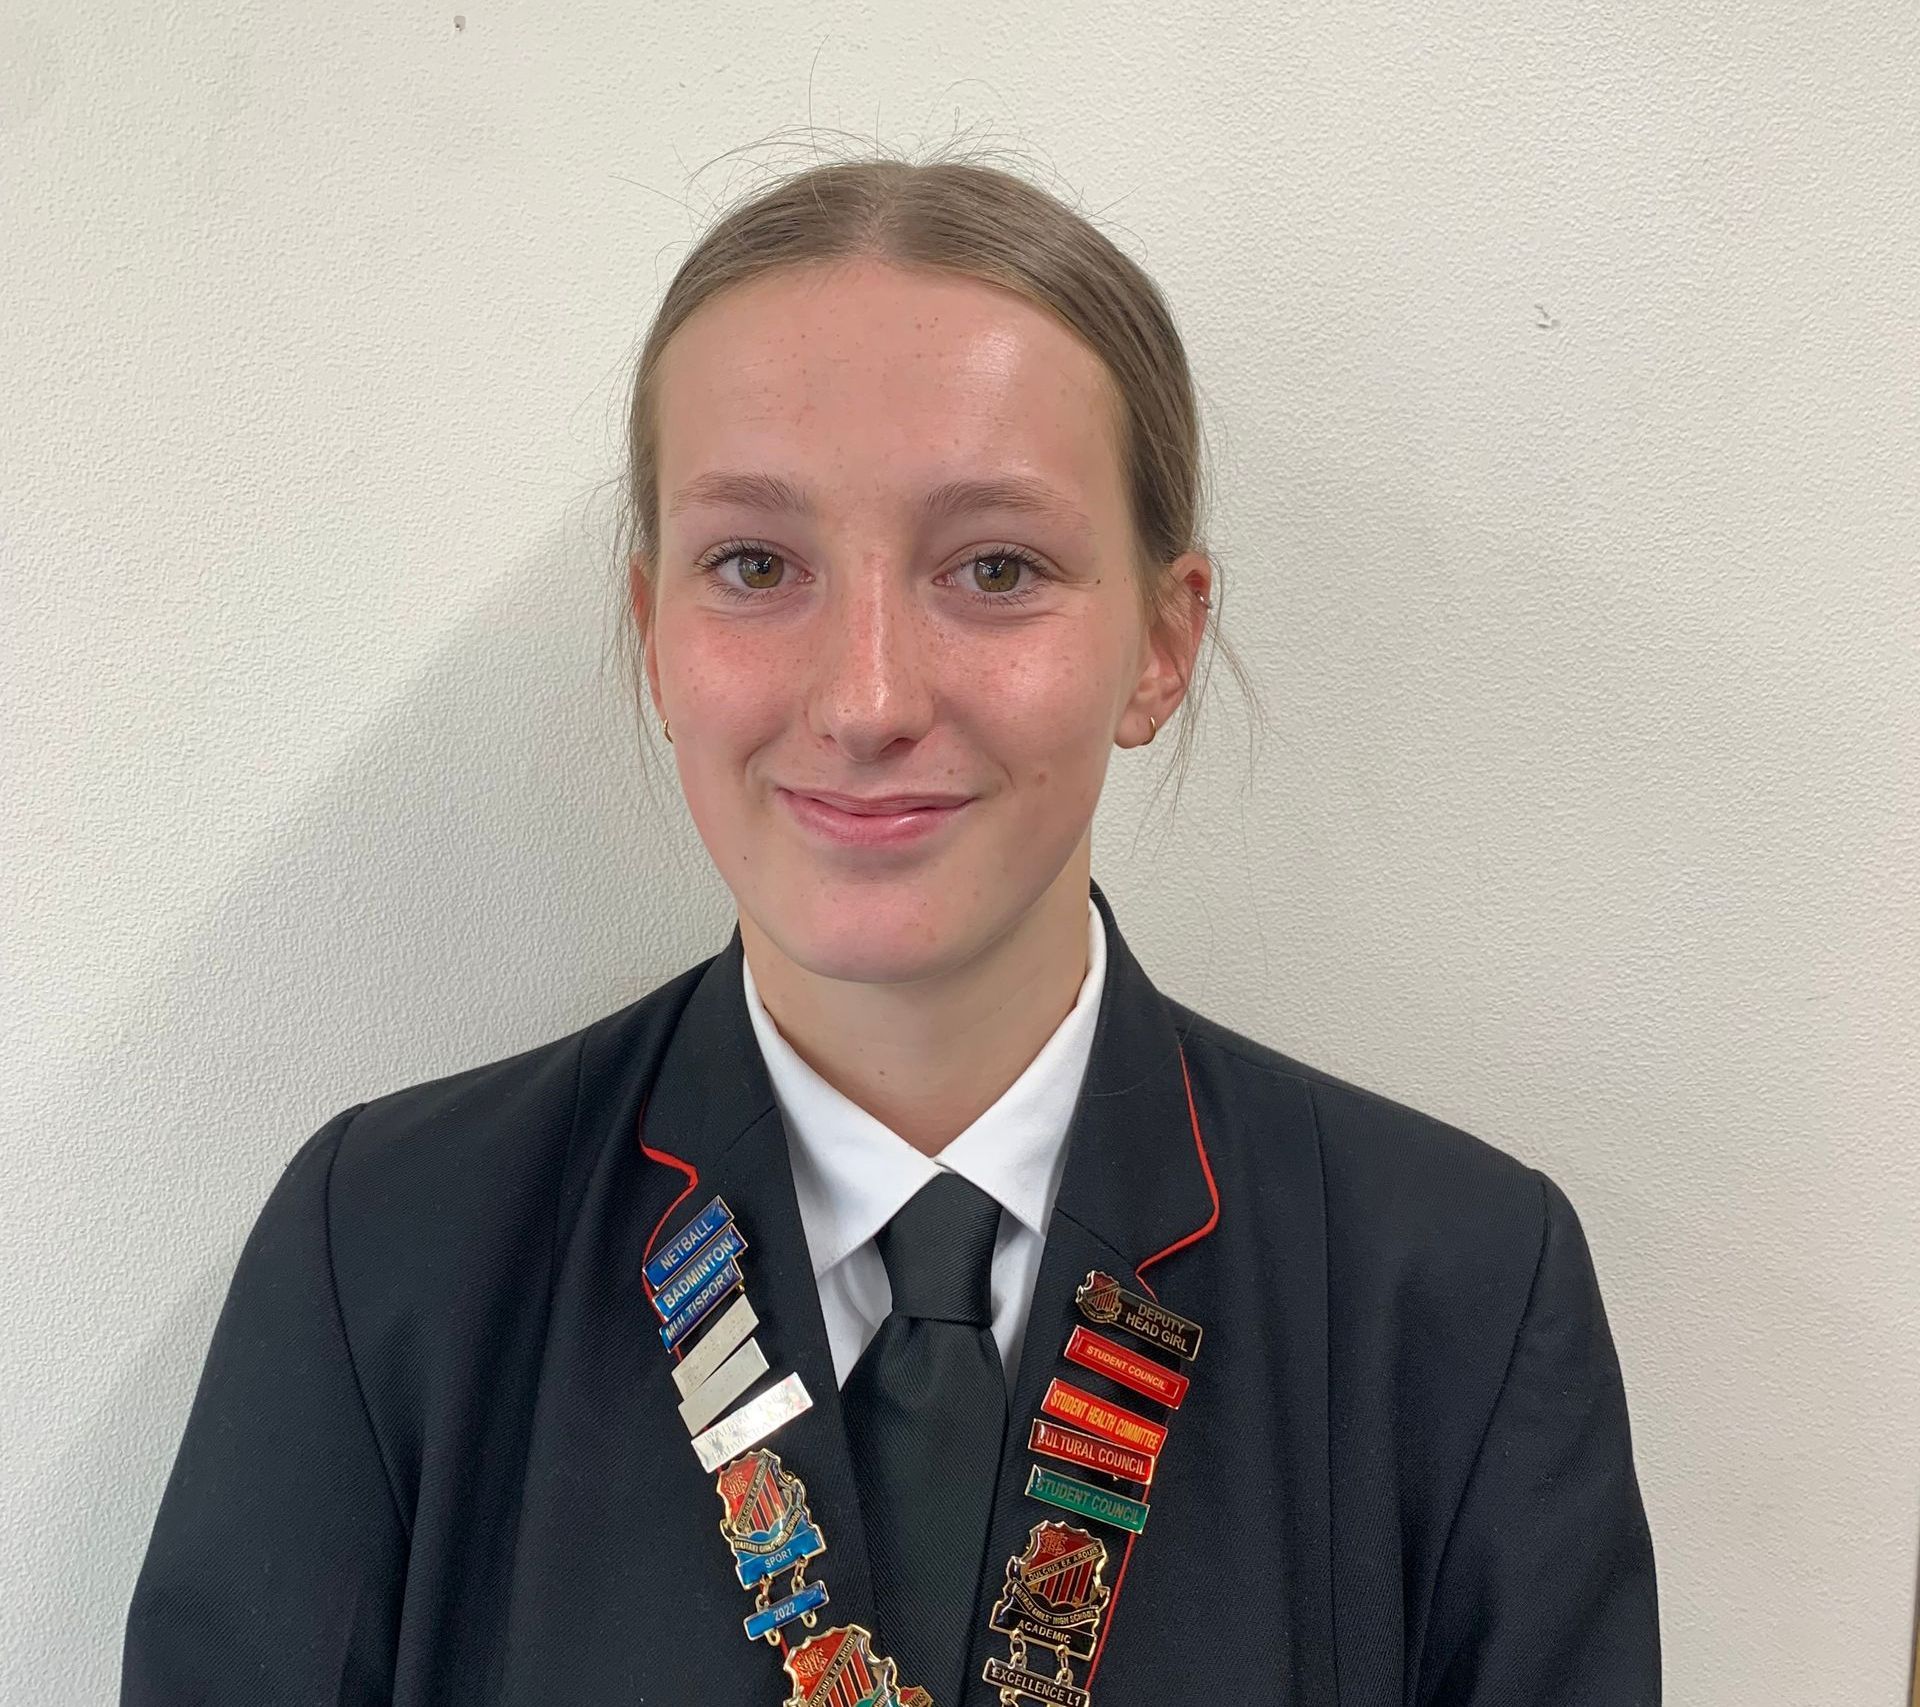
x,y
881,822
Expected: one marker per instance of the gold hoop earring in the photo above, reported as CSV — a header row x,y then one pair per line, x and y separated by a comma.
x,y
667,729
1153,729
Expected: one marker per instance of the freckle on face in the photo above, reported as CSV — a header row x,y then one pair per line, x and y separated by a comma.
x,y
861,394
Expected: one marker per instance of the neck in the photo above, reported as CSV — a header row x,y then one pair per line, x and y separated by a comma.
x,y
929,1056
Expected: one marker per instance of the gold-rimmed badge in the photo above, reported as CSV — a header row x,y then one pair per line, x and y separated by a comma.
x,y
1106,1303
1053,1599
1089,1412
765,1516
772,1534
1056,1592
841,1669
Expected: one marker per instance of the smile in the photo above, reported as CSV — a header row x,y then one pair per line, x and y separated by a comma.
x,y
867,829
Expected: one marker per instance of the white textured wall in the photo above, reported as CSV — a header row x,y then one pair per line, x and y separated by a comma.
x,y
1564,375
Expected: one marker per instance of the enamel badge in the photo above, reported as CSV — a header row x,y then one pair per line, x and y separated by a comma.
x,y
840,1669
771,1532
1129,1368
1115,1423
1053,1599
765,1518
1085,1500
1106,1303
1056,1592
1053,1441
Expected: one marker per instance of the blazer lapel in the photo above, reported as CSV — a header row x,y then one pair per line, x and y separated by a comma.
x,y
1137,1187
713,1126
624,1586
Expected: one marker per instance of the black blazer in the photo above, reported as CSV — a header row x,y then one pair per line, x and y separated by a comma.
x,y
435,1456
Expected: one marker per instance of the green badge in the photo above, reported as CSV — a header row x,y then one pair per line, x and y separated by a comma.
x,y
1085,1501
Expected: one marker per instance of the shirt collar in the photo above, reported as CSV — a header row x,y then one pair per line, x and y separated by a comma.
x,y
852,1173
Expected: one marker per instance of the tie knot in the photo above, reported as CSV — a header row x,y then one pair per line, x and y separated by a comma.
x,y
938,1250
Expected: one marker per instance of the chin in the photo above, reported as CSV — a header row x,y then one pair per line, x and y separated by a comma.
x,y
876,932
863,933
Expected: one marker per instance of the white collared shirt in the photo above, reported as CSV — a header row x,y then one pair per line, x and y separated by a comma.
x,y
852,1174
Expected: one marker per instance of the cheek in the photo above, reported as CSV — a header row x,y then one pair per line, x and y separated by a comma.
x,y
1050,720
1052,700
722,688
1043,704
727,680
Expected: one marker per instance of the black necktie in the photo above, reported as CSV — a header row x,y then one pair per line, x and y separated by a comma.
x,y
926,1416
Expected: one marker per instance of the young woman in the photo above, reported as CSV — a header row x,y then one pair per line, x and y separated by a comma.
x,y
909,1303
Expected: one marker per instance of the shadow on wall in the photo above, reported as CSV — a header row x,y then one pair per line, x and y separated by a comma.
x,y
483,873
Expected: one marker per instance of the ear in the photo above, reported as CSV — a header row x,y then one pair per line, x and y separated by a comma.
x,y
1172,644
640,597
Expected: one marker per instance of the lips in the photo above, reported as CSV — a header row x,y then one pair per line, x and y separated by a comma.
x,y
872,824
882,805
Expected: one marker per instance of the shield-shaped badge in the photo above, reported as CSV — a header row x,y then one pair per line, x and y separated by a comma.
x,y
840,1669
767,1523
1054,1595
770,1530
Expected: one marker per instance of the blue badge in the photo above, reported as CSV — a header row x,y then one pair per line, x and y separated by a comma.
x,y
695,1310
783,1612
684,1243
714,1255
770,1530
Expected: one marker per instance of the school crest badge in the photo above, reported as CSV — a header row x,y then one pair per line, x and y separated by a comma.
x,y
840,1669
1099,1298
1053,1598
770,1531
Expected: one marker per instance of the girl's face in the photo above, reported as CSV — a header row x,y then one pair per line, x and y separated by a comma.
x,y
842,606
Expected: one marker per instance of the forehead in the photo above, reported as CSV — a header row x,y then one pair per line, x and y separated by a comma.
x,y
866,382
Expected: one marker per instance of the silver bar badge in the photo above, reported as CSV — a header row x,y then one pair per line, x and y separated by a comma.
x,y
752,1422
716,1345
723,1386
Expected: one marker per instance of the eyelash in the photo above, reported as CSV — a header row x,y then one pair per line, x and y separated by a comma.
x,y
710,564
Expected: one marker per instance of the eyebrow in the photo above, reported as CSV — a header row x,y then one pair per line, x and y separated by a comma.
x,y
1018,492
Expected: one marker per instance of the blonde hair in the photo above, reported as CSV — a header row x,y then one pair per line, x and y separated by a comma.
x,y
960,218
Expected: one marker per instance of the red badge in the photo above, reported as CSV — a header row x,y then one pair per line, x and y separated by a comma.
x,y
1076,1448
1074,1405
1119,1363
838,1667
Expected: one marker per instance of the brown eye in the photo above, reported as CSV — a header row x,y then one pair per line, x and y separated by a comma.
x,y
762,577
750,571
1004,572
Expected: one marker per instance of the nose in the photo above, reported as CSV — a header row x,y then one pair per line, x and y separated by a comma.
x,y
871,680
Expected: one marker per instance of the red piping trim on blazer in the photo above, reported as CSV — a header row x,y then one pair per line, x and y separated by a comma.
x,y
1213,1220
1206,1167
693,1180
